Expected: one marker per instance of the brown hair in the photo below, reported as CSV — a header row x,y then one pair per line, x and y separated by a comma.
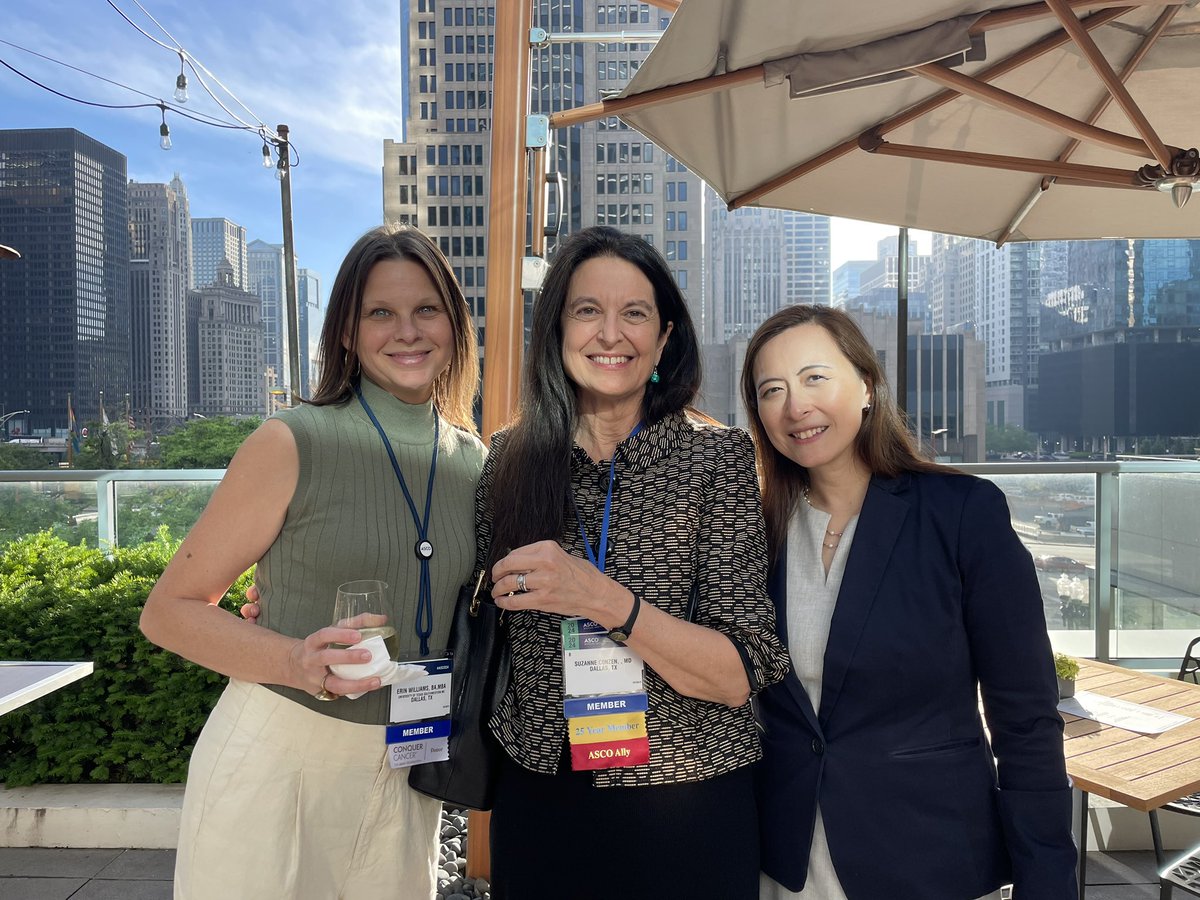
x,y
454,390
884,443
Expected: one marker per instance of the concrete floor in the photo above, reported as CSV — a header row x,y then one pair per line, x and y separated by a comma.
x,y
46,874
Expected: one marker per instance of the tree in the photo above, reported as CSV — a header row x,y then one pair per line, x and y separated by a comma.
x,y
108,447
205,443
14,456
1010,439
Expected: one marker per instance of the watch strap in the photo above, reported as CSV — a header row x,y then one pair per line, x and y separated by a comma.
x,y
621,633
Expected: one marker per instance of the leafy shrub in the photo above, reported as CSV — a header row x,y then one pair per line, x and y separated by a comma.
x,y
136,717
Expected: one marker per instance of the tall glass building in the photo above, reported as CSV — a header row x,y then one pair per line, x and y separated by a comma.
x,y
64,306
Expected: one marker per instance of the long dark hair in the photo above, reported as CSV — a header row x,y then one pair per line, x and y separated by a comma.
x,y
884,443
454,390
532,482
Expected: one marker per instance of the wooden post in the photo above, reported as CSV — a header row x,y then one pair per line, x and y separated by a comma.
x,y
503,317
504,327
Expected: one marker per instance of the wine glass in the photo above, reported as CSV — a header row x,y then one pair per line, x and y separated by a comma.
x,y
360,605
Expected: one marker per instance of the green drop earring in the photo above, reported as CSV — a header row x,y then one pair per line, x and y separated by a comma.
x,y
654,376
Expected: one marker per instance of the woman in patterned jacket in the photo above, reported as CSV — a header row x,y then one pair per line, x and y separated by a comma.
x,y
607,499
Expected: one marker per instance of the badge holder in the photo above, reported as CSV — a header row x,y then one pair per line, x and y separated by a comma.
x,y
605,699
420,713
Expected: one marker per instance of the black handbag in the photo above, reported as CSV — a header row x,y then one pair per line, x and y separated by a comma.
x,y
482,665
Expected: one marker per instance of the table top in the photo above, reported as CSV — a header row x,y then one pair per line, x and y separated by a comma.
x,y
24,682
1142,771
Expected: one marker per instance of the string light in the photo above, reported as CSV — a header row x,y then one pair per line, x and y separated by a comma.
x,y
164,139
267,161
281,169
181,94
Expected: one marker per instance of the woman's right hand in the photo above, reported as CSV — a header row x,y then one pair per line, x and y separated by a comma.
x,y
311,658
251,609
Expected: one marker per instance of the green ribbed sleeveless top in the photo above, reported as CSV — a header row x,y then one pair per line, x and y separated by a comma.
x,y
348,520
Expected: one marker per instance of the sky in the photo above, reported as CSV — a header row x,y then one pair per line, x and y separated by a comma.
x,y
334,78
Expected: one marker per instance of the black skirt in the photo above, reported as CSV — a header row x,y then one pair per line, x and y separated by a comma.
x,y
559,836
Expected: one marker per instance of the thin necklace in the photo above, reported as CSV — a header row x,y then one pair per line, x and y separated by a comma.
x,y
832,534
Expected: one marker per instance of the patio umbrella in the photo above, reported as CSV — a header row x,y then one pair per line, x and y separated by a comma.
x,y
997,120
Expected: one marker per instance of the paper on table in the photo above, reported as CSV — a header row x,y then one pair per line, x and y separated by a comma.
x,y
1121,713
380,664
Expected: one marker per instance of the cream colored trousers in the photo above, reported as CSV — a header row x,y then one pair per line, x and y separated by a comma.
x,y
283,803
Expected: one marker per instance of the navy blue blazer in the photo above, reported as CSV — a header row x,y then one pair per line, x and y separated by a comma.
x,y
939,598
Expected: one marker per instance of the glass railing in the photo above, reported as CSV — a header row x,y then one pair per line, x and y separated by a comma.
x,y
1116,545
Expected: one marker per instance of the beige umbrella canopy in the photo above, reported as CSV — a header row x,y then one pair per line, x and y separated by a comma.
x,y
1003,121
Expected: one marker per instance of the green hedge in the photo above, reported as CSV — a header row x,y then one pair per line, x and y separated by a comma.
x,y
136,717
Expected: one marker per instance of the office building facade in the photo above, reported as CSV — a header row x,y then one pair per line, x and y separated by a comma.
x,y
159,238
215,241
64,305
229,350
266,266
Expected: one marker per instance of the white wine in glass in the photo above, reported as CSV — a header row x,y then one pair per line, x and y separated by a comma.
x,y
360,605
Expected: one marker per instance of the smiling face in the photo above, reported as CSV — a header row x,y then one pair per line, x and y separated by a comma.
x,y
613,336
405,337
810,399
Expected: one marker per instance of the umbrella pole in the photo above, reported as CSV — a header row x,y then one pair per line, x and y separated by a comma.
x,y
902,323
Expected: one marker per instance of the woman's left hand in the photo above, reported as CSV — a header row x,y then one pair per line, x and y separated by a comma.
x,y
544,576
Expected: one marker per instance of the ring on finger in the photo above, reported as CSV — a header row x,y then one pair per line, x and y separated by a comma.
x,y
521,588
323,693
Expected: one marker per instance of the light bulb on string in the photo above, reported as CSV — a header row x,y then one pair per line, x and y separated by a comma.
x,y
181,92
164,133
268,163
281,169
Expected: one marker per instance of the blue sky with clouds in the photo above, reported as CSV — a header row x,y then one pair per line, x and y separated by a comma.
x,y
331,72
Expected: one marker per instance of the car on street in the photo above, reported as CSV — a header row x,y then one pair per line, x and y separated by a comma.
x,y
1060,564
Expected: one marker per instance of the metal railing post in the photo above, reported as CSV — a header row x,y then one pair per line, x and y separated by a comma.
x,y
1106,509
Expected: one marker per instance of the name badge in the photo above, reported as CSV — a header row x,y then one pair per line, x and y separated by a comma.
x,y
605,699
594,664
424,696
419,713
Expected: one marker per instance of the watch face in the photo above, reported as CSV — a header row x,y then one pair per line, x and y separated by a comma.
x,y
618,635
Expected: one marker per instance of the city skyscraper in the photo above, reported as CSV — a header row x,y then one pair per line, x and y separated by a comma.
x,y
807,259
160,234
1007,308
228,337
308,292
266,266
746,270
438,176
758,261
215,241
64,306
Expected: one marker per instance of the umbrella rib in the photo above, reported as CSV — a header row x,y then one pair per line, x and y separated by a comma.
x,y
616,107
1115,85
1018,15
1035,112
1018,59
1131,66
1098,175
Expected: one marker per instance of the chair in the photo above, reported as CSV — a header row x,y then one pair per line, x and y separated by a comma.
x,y
1186,872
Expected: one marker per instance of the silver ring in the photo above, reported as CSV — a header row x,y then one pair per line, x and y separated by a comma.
x,y
521,589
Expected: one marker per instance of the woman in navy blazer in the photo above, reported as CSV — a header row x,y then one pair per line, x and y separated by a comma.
x,y
887,785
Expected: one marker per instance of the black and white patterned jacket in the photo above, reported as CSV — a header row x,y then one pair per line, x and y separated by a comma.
x,y
686,507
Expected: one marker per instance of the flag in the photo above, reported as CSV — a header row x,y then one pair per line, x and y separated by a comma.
x,y
72,427
103,414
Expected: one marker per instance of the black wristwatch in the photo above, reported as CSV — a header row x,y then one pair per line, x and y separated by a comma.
x,y
621,633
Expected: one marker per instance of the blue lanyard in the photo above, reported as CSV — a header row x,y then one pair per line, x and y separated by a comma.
x,y
423,625
596,557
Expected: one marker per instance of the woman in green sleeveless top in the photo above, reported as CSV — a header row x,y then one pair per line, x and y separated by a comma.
x,y
374,478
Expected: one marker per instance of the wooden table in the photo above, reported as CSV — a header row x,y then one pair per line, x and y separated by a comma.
x,y
1141,771
24,682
